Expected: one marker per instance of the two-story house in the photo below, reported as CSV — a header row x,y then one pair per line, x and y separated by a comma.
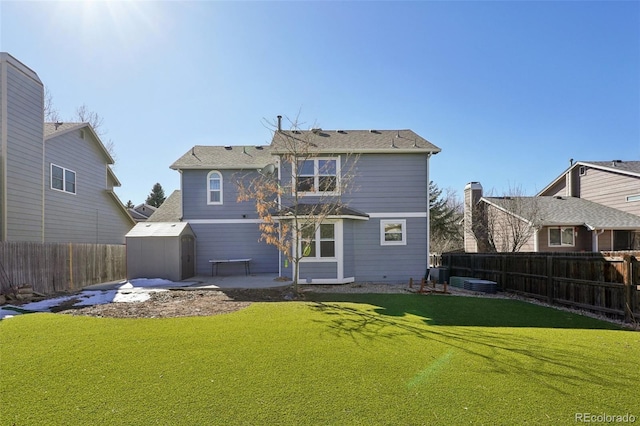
x,y
591,206
56,181
378,232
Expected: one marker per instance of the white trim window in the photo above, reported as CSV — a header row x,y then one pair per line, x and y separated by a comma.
x,y
214,187
561,236
63,179
393,232
317,176
632,198
318,242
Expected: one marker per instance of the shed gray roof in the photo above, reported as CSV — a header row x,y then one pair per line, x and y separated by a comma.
x,y
353,141
224,157
170,210
571,211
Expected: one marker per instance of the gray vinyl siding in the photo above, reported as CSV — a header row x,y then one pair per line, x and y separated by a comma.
x,y
389,183
318,270
90,215
396,264
610,189
233,241
378,182
349,247
194,196
22,152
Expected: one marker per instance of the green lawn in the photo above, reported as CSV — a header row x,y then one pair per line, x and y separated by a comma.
x,y
340,360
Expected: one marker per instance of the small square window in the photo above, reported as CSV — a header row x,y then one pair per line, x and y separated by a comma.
x,y
393,232
582,170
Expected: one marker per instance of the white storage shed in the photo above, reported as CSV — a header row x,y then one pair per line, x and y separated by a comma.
x,y
161,250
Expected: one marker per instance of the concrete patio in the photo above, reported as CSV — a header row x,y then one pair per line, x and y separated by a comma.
x,y
237,281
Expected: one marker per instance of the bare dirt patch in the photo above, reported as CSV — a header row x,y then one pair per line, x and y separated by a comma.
x,y
184,303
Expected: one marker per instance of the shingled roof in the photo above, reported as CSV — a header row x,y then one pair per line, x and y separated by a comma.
x,y
170,210
570,211
353,141
224,157
627,167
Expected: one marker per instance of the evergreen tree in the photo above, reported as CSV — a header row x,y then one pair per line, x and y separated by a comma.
x,y
445,217
130,204
156,198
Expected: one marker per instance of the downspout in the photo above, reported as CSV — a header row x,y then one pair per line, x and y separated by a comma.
x,y
3,153
428,219
279,208
594,244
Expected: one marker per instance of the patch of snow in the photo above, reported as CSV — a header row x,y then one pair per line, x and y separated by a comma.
x,y
137,290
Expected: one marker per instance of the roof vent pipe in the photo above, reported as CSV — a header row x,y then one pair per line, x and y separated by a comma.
x,y
279,123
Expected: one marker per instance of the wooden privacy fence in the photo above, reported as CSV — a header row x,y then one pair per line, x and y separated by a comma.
x,y
60,267
606,283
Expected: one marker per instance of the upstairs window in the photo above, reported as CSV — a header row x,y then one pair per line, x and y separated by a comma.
x,y
561,237
63,179
214,188
317,175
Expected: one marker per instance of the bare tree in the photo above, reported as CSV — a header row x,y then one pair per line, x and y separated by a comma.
x,y
51,114
85,115
506,223
295,197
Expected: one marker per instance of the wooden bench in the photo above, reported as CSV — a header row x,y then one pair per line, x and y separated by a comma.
x,y
216,262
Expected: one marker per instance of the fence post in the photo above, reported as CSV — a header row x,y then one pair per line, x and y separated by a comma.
x,y
503,277
550,280
627,281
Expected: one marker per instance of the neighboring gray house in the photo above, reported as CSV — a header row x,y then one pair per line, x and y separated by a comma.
x,y
591,206
80,204
21,152
56,183
380,234
141,212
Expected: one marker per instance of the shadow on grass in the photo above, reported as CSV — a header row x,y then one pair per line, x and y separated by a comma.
x,y
552,362
468,311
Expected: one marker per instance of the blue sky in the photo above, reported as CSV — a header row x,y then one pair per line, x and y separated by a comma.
x,y
509,90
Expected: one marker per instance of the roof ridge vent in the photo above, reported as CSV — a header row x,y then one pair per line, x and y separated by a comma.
x,y
316,130
228,147
259,147
614,163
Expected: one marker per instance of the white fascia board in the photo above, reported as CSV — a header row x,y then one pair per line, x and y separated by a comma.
x,y
396,215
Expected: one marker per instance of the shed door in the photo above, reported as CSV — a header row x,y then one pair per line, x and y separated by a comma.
x,y
188,250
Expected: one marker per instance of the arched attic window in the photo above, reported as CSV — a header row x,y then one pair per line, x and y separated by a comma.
x,y
214,187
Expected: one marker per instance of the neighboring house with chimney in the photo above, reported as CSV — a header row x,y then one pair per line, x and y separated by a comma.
x,y
380,232
591,206
56,181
